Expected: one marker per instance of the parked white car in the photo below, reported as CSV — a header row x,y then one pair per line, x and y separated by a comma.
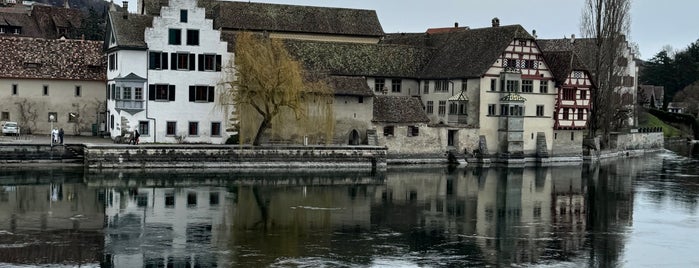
x,y
10,128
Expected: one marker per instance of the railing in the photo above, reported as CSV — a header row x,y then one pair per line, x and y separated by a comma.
x,y
129,104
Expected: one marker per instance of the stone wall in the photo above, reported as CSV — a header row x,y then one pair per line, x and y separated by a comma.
x,y
430,144
567,143
223,156
636,141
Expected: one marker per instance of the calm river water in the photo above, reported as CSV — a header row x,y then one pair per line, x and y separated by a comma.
x,y
635,212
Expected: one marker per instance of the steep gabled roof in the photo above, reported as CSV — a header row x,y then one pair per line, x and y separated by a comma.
x,y
298,19
38,58
356,59
464,53
350,86
128,31
398,109
562,63
42,21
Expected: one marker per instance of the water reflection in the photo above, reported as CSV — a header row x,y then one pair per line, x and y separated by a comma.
x,y
568,215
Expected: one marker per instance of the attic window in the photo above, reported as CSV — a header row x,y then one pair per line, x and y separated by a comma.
x,y
388,131
32,65
413,131
17,31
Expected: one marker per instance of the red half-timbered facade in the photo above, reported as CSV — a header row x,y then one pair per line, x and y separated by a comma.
x,y
573,91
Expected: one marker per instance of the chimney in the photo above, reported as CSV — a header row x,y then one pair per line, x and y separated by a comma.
x,y
572,38
456,24
534,33
496,22
66,4
125,5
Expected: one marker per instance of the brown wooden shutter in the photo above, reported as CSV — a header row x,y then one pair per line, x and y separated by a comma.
x,y
201,62
171,92
192,92
192,62
151,92
173,61
211,94
218,63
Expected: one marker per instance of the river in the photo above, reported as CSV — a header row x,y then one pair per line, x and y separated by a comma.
x,y
631,212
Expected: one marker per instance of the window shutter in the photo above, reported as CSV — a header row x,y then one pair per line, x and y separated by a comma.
x,y
201,62
107,91
218,63
151,60
163,56
173,61
151,92
171,92
192,90
192,62
211,94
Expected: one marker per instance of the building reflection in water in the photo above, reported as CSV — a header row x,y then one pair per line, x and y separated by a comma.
x,y
413,216
56,223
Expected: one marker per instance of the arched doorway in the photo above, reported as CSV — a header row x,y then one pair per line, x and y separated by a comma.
x,y
354,137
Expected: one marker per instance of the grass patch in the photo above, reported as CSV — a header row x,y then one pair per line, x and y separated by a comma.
x,y
668,130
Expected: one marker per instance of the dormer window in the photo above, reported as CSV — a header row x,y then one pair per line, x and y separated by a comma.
x,y
16,31
2,30
32,65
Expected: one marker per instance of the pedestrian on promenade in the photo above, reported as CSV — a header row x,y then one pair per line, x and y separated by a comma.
x,y
54,135
60,135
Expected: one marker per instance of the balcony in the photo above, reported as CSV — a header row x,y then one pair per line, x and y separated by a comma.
x,y
130,106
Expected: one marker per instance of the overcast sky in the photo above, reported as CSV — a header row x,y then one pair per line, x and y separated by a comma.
x,y
654,23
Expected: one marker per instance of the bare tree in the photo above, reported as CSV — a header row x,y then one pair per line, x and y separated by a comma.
x,y
606,23
27,115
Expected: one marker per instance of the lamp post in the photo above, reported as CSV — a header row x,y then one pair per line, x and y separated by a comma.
x,y
51,119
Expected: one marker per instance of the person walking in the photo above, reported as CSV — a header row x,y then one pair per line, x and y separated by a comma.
x,y
60,135
54,135
136,135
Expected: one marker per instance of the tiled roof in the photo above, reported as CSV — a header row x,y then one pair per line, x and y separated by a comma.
x,y
350,86
38,58
129,31
302,19
562,63
462,54
354,59
513,97
398,109
43,21
584,48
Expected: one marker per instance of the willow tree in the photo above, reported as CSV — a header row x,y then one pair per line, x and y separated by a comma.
x,y
270,91
606,23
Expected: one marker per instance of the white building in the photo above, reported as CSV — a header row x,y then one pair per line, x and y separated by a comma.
x,y
165,82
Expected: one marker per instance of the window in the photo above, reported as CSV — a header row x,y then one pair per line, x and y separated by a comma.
x,y
581,113
426,87
5,116
539,110
46,90
161,92
157,61
126,93
413,131
464,86
491,109
430,107
73,117
183,15
442,107
192,199
572,136
379,84
16,31
395,85
504,109
453,107
512,86
193,129
527,86
182,61
544,87
441,86
15,89
215,128
566,113
493,84
568,94
388,131
78,90
192,37
360,99
112,62
462,108
169,200
171,128
201,94
138,93
111,121
143,128
214,199
583,94
174,37
209,62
